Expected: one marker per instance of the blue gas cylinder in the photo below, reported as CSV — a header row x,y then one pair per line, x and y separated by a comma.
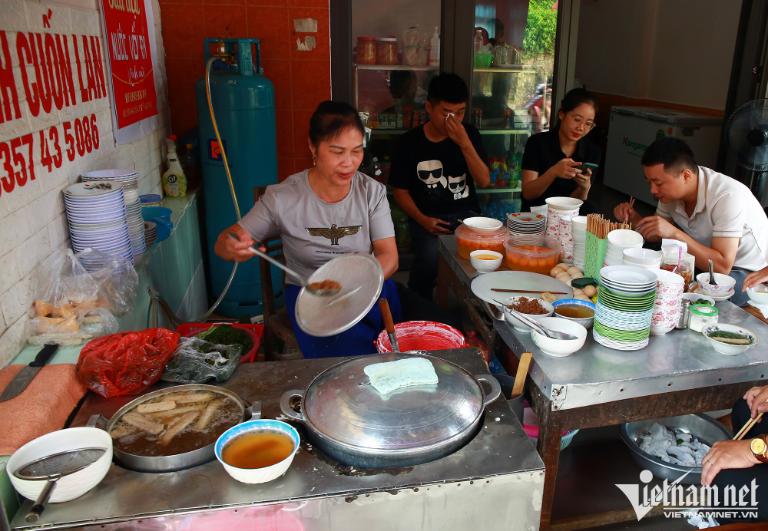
x,y
244,104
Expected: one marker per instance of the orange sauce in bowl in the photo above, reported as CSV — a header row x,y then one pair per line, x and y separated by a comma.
x,y
257,449
485,257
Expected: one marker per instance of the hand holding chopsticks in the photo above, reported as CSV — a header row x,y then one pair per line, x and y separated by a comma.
x,y
747,427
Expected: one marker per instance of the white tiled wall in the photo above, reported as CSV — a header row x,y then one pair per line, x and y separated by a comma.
x,y
32,223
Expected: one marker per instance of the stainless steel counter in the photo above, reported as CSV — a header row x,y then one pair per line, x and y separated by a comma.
x,y
498,475
679,360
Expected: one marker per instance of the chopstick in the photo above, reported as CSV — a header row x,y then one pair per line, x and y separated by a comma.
x,y
747,426
505,290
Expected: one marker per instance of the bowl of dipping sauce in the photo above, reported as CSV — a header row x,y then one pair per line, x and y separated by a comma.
x,y
257,451
485,261
576,310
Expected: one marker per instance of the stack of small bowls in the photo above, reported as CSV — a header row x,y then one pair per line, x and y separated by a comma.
x,y
579,231
666,309
618,241
526,228
560,213
129,181
645,258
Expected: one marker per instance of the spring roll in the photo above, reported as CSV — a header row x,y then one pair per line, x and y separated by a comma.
x,y
121,430
177,426
208,413
176,411
191,398
143,423
154,407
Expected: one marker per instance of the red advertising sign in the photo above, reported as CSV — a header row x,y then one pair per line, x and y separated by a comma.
x,y
130,60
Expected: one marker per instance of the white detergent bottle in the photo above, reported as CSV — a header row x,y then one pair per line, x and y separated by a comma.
x,y
174,181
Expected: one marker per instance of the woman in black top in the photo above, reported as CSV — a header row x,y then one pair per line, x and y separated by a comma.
x,y
552,161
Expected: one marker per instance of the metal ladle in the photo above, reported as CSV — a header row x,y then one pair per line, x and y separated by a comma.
x,y
321,292
51,469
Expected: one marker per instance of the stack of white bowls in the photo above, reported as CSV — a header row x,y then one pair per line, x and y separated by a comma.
x,y
96,216
129,181
560,213
579,231
666,309
645,258
618,240
526,228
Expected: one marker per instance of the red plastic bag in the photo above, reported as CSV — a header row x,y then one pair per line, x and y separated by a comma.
x,y
126,363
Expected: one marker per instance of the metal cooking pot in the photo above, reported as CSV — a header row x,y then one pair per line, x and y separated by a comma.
x,y
347,418
701,426
169,463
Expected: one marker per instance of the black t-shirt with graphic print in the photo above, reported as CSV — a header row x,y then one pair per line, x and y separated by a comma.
x,y
435,173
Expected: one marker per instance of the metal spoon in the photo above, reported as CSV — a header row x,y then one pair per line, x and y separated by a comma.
x,y
321,292
711,274
51,469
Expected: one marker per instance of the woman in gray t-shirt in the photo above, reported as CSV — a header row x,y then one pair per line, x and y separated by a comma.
x,y
320,213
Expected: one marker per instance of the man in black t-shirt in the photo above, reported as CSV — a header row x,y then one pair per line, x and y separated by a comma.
x,y
434,173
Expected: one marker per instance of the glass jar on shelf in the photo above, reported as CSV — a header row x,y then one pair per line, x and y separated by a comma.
x,y
365,52
386,51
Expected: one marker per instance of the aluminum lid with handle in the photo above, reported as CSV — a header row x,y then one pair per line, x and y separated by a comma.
x,y
342,405
358,273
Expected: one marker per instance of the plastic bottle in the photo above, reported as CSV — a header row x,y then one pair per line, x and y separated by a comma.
x,y
434,48
174,181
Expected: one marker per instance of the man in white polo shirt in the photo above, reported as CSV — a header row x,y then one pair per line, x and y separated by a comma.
x,y
717,216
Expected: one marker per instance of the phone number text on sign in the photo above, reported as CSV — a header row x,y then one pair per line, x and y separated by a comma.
x,y
48,147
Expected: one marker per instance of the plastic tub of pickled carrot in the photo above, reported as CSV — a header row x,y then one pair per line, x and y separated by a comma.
x,y
532,258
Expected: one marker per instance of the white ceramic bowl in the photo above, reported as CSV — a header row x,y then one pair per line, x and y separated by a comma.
x,y
483,224
625,238
758,294
727,348
560,347
725,284
71,486
485,266
267,473
564,203
642,257
519,325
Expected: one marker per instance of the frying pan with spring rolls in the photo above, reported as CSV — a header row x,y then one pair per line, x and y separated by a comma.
x,y
173,428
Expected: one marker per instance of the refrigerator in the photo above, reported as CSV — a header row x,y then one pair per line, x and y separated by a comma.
x,y
632,129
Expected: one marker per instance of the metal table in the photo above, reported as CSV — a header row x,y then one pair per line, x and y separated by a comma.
x,y
497,473
676,374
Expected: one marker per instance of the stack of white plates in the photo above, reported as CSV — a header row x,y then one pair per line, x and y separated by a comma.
x,y
150,233
96,216
645,258
526,228
579,230
618,240
625,305
129,180
560,213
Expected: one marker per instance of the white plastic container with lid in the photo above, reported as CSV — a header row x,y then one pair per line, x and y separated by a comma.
x,y
702,315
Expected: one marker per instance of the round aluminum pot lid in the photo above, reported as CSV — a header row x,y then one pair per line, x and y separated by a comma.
x,y
341,404
320,316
